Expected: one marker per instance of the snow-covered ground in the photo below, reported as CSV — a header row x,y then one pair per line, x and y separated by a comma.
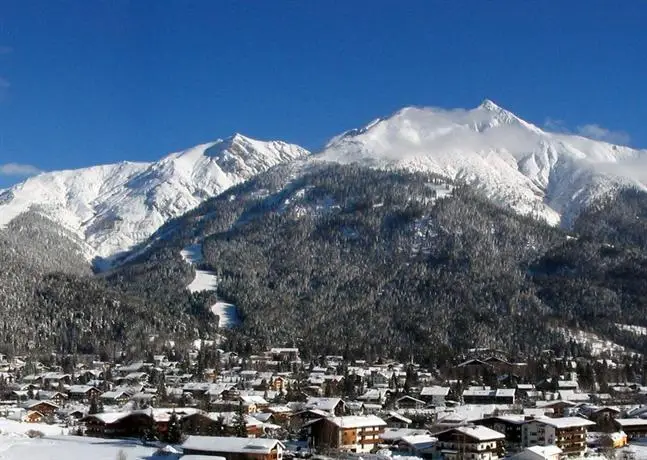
x,y
55,444
638,330
208,281
597,344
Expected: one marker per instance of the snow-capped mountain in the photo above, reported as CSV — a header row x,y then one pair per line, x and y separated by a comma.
x,y
544,174
111,208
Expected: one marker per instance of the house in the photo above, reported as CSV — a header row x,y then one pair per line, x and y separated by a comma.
x,y
34,416
559,408
334,406
568,433
420,446
396,420
615,440
45,408
375,396
233,448
115,397
473,442
409,402
118,424
435,395
392,436
539,453
83,392
487,395
633,427
352,433
509,425
56,397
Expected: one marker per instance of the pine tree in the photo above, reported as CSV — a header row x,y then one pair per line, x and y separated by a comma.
x,y
174,433
94,406
239,422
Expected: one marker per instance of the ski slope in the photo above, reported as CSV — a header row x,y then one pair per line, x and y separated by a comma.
x,y
208,281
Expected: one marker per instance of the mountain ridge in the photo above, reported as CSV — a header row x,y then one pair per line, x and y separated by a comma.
x,y
547,175
551,176
113,207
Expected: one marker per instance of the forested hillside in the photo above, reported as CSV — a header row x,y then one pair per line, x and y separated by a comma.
x,y
340,259
366,262
50,300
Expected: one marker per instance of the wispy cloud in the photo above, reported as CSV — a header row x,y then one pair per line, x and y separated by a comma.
x,y
592,131
4,83
595,131
555,125
5,49
18,170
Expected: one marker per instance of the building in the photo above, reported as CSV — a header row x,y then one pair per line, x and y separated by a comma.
x,y
633,427
234,448
352,433
470,442
509,425
567,433
539,453
396,420
409,402
487,395
421,446
435,395
118,424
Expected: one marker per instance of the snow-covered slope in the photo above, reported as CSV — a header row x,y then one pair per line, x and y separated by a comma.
x,y
547,175
111,208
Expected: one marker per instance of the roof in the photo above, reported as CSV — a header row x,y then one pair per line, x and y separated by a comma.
x,y
434,391
545,451
400,417
234,445
395,434
420,441
357,421
624,422
566,422
327,404
480,433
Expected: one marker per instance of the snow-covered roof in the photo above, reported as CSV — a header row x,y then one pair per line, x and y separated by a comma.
x,y
327,404
480,433
233,445
357,421
395,434
545,451
398,416
566,422
626,422
421,441
434,391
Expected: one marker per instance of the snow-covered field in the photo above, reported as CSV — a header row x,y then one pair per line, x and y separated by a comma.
x,y
597,344
208,281
638,330
55,444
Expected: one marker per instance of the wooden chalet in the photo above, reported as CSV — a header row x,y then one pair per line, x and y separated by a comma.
x,y
234,448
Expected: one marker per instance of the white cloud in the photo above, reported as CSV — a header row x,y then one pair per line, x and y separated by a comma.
x,y
555,125
597,132
17,169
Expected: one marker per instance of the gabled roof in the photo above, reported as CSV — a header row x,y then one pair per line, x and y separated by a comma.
x,y
566,422
434,391
233,445
477,432
356,421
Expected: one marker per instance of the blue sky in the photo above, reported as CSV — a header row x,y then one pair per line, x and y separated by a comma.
x,y
87,82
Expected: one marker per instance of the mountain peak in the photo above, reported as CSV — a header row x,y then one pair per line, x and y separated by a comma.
x,y
488,104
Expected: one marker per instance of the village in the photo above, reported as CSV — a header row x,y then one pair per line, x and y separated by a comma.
x,y
275,405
